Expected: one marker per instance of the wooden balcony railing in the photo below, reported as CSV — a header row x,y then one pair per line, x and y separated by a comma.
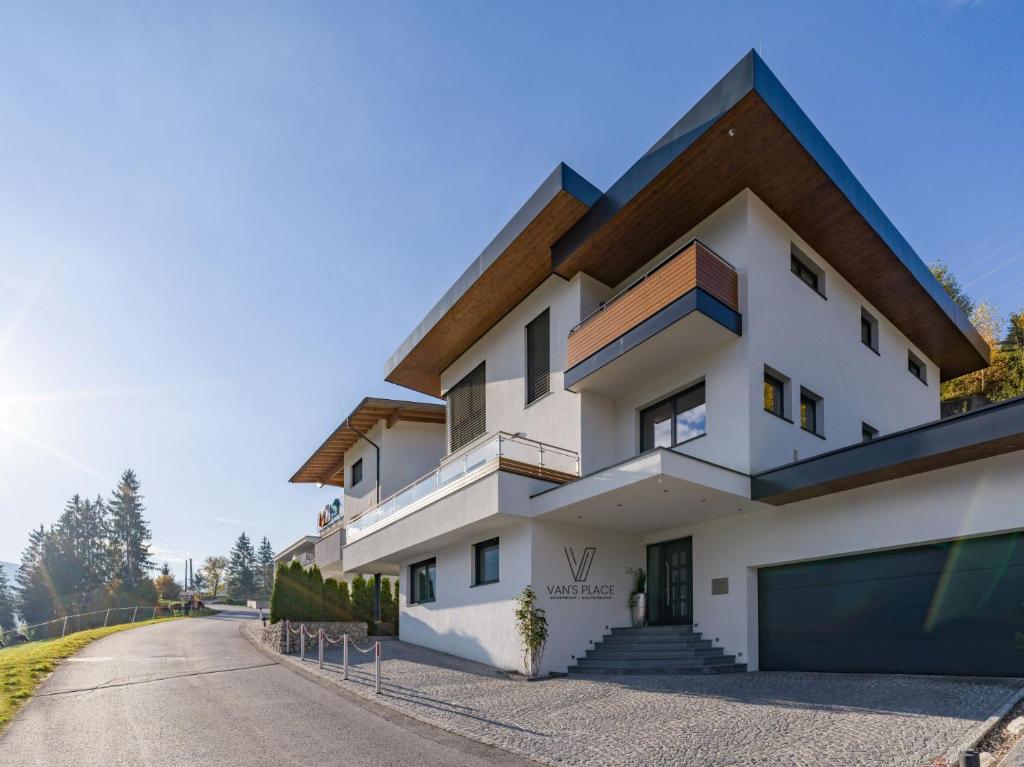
x,y
693,266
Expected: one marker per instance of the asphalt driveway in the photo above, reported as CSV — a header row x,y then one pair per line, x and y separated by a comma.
x,y
196,692
705,721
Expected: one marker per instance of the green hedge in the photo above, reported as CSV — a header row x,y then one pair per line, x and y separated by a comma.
x,y
304,595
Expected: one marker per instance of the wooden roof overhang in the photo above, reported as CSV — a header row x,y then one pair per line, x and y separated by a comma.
x,y
327,465
512,266
749,132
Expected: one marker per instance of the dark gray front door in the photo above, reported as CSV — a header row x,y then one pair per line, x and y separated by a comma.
x,y
944,608
670,583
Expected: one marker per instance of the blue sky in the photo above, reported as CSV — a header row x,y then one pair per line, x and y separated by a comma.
x,y
217,220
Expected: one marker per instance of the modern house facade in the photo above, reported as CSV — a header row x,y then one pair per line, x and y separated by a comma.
x,y
723,370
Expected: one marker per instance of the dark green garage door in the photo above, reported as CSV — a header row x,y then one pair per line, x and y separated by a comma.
x,y
949,608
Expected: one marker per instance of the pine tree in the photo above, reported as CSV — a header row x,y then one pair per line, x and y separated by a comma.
x,y
34,598
362,599
6,603
129,531
241,569
265,568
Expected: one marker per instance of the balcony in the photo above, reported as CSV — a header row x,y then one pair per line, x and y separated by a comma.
x,y
684,307
501,451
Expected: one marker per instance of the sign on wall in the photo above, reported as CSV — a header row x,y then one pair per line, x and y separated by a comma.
x,y
579,563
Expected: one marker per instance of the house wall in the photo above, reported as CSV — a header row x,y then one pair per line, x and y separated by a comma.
x,y
553,419
971,499
407,452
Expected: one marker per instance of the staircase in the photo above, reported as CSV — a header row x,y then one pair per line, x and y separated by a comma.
x,y
656,650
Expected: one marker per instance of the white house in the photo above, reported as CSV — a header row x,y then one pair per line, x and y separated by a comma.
x,y
724,370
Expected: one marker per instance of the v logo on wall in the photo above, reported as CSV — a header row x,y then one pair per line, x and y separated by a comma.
x,y
580,568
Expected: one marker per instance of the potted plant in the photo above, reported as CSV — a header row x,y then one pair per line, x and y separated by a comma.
x,y
638,599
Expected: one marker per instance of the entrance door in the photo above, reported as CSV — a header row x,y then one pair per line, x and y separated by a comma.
x,y
670,583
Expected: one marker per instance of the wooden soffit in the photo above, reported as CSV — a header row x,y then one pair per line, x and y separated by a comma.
x,y
515,263
748,132
327,465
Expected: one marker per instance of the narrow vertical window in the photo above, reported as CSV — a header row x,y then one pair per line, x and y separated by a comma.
x,y
357,472
811,413
485,562
423,581
868,330
917,368
774,395
538,357
467,408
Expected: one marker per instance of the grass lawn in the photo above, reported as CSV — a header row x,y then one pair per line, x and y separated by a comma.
x,y
23,667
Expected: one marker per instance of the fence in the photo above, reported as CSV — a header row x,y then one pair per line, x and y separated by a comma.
x,y
70,624
343,640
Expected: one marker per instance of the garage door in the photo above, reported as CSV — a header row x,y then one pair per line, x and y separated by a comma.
x,y
949,608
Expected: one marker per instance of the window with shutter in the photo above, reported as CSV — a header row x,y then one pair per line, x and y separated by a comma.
x,y
467,408
538,357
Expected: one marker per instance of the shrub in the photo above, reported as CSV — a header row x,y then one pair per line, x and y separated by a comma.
x,y
280,599
532,625
362,599
344,602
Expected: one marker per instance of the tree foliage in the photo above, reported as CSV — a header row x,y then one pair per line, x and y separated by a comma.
x,y
944,274
362,599
264,568
130,533
6,602
532,625
241,569
213,572
303,595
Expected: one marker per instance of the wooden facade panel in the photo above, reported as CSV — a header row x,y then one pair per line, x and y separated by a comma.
x,y
693,267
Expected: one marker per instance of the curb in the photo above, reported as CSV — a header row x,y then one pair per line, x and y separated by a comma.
x,y
976,733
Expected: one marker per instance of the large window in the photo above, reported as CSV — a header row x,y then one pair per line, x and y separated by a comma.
x,y
467,408
423,580
357,472
538,357
674,420
485,562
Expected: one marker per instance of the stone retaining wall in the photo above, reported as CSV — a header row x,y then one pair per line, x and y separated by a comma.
x,y
273,634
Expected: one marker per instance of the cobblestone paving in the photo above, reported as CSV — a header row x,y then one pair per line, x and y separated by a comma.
x,y
765,718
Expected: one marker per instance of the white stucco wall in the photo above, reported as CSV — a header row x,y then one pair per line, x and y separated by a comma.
x,y
553,419
977,498
407,452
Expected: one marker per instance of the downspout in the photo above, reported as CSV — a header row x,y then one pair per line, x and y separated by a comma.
x,y
375,447
376,577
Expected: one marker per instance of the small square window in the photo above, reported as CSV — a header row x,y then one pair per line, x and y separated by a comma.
x,y
868,330
868,432
485,562
357,472
812,416
423,580
806,270
917,368
774,395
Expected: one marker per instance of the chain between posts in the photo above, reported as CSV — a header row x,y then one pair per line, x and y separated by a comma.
x,y
324,638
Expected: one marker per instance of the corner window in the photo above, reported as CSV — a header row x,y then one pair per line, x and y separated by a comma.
x,y
538,357
869,330
423,580
357,472
868,432
467,408
812,416
917,368
775,392
485,562
806,270
674,420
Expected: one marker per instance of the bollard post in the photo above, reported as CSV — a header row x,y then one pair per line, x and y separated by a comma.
x,y
302,641
134,613
287,638
376,652
65,631
320,659
344,656
106,618
154,612
970,758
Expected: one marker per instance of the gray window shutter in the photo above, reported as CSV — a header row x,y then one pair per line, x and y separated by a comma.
x,y
467,408
538,357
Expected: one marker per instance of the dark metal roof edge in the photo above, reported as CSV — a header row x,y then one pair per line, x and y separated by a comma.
x,y
726,93
947,435
751,73
562,178
778,99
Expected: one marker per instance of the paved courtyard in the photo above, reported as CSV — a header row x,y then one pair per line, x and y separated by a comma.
x,y
711,721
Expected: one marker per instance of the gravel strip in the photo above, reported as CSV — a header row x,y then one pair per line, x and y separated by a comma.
x,y
762,718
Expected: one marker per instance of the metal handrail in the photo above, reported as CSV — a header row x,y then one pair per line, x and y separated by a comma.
x,y
642,278
448,471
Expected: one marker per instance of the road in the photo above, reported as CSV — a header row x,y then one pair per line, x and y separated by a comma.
x,y
196,692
